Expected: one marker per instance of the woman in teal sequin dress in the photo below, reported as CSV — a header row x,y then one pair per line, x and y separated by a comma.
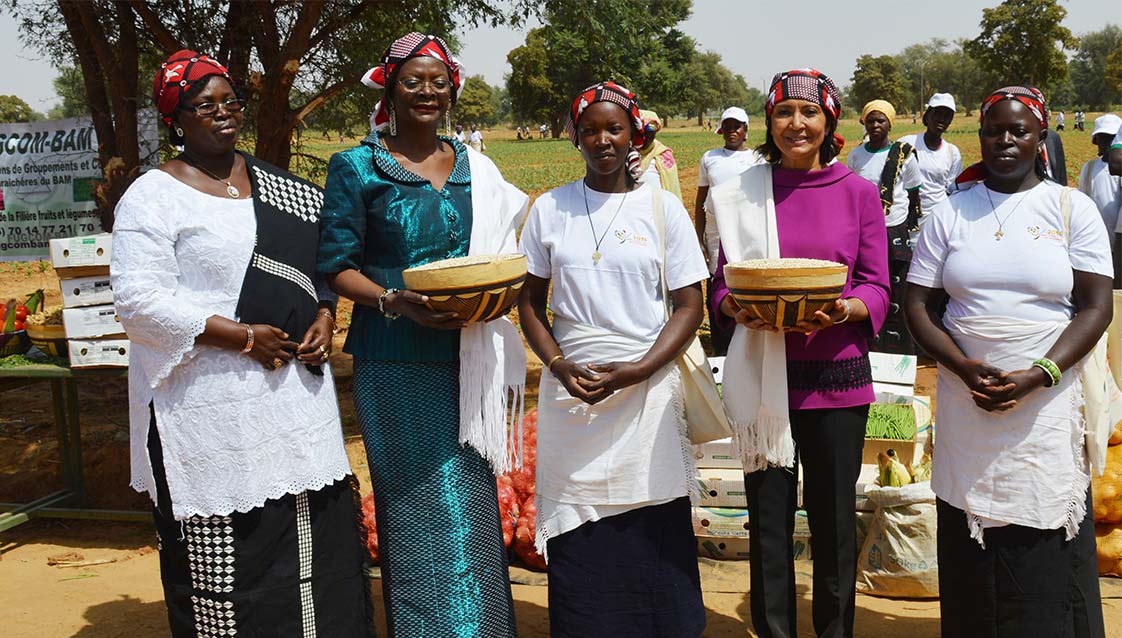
x,y
400,199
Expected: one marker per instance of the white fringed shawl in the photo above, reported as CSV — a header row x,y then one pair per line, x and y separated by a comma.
x,y
492,357
756,366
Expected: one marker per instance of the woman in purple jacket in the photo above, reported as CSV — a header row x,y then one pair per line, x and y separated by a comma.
x,y
803,393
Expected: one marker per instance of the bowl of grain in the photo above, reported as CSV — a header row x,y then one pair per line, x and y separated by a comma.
x,y
475,288
47,333
785,291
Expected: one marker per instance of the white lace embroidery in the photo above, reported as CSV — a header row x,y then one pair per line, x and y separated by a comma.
x,y
233,434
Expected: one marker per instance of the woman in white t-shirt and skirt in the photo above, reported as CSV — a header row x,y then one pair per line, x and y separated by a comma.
x,y
1025,263
615,473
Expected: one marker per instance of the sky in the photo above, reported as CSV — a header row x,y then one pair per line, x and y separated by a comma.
x,y
754,39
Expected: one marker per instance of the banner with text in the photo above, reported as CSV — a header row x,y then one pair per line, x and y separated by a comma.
x,y
47,176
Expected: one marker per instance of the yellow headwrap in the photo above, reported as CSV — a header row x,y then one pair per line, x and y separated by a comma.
x,y
649,117
882,106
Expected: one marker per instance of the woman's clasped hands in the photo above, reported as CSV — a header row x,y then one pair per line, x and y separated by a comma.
x,y
995,390
597,381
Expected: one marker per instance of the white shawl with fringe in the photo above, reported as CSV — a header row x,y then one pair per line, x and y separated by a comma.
x,y
756,366
492,357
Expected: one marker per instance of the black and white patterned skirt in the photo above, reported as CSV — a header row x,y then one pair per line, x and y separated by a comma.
x,y
292,567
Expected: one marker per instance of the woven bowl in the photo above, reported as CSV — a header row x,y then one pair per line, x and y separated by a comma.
x,y
783,292
14,343
475,288
49,339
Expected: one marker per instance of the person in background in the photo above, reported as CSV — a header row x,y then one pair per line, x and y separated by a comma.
x,y
1060,121
404,197
1022,267
1095,180
895,170
802,396
718,165
940,162
615,474
235,429
542,130
459,134
657,159
475,140
1080,118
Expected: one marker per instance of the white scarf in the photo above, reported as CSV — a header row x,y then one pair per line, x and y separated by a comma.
x,y
492,357
756,366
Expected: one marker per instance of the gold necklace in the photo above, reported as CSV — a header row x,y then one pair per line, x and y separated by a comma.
x,y
596,252
1000,222
231,190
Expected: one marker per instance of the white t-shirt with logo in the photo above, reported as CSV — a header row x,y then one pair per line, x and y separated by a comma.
x,y
870,165
718,165
1096,182
938,168
621,292
1028,273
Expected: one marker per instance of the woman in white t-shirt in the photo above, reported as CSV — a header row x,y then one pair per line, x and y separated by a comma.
x,y
718,165
940,162
899,195
615,472
1025,263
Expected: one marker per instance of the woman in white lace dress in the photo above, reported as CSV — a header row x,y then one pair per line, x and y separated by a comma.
x,y
235,425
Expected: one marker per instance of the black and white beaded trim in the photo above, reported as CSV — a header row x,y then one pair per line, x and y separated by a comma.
x,y
284,271
290,196
304,543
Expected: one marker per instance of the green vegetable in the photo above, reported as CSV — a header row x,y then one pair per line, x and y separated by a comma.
x,y
891,421
10,317
33,301
892,471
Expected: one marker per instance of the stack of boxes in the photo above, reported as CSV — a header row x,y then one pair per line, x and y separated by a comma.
x,y
93,330
721,518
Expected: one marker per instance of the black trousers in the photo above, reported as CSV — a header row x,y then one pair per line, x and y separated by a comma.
x,y
828,444
1025,582
719,333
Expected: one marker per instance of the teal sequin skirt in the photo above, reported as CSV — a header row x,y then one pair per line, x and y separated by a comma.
x,y
444,566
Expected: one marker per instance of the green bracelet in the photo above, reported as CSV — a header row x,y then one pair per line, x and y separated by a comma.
x,y
1049,367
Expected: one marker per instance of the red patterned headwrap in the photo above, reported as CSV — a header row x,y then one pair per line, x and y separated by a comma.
x,y
175,76
807,84
1028,95
606,92
411,45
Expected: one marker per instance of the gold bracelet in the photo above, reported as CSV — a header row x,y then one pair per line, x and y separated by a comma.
x,y
248,338
326,312
549,366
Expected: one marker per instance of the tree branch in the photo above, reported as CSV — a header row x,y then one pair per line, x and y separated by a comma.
x,y
331,26
299,114
160,33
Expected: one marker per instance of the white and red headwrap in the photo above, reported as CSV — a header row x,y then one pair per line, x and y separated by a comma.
x,y
408,46
807,84
1030,96
606,92
175,76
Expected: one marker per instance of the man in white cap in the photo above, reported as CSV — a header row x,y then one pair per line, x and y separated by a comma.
x,y
718,165
940,162
1095,180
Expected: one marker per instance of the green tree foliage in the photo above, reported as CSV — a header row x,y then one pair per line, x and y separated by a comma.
x,y
1113,72
878,78
938,66
476,103
13,109
710,86
629,41
1092,86
70,90
1023,42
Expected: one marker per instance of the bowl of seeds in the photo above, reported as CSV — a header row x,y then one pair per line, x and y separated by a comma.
x,y
783,292
475,288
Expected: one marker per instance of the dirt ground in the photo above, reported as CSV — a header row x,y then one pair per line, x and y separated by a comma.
x,y
113,589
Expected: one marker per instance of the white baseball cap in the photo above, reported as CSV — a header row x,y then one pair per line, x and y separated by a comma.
x,y
1109,124
735,113
941,99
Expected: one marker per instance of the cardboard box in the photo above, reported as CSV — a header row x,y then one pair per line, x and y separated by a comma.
x,y
722,488
92,321
893,393
86,291
82,256
717,365
720,548
893,368
905,450
99,353
725,522
717,454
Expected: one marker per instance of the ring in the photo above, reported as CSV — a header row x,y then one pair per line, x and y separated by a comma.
x,y
277,363
323,351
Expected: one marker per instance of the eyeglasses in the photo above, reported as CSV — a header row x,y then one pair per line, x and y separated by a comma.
x,y
210,109
413,84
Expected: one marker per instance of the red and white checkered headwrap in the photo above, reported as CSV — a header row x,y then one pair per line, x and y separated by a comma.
x,y
409,46
807,84
1028,95
606,92
176,75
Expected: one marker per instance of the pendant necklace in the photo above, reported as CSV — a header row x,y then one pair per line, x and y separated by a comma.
x,y
596,252
1001,222
231,190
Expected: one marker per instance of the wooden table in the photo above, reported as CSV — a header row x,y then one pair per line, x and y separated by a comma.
x,y
69,502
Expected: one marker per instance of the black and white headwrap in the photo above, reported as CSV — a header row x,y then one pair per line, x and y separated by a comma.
x,y
279,287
